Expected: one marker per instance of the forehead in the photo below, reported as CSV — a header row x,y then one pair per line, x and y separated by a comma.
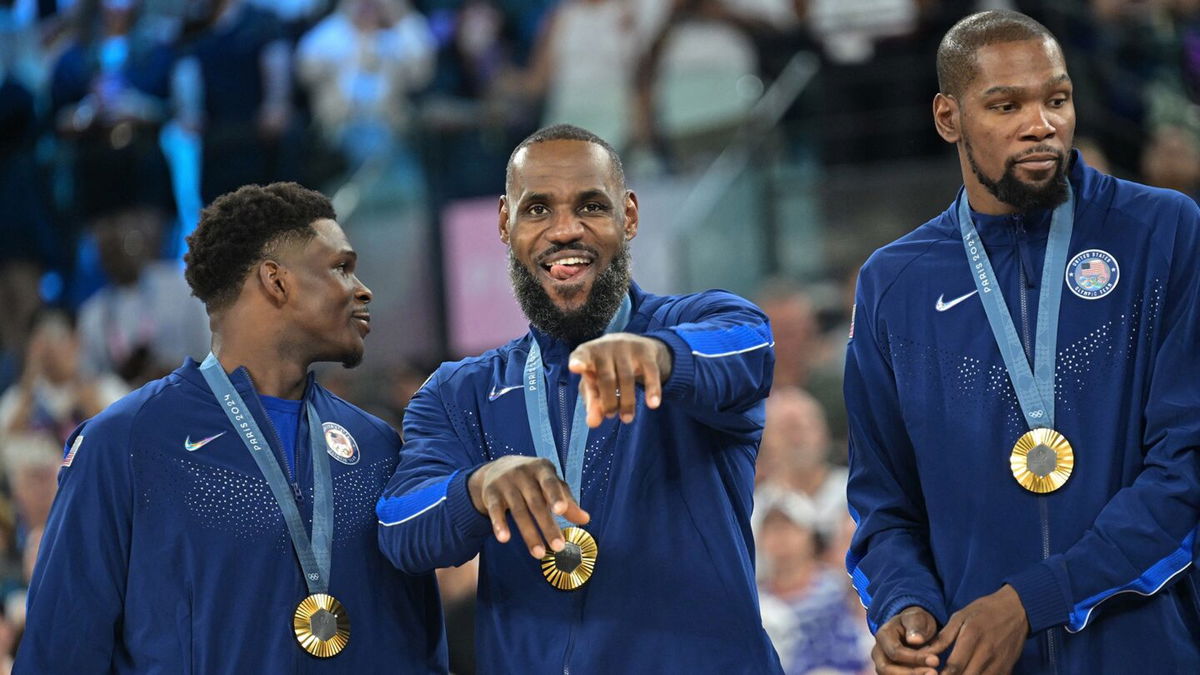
x,y
1025,63
562,167
329,237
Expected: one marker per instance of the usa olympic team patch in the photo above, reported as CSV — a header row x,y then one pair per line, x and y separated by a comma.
x,y
1093,274
340,444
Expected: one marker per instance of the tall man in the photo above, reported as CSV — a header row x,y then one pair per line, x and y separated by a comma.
x,y
220,520
1023,388
610,451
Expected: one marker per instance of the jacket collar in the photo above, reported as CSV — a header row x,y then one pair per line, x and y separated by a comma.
x,y
190,371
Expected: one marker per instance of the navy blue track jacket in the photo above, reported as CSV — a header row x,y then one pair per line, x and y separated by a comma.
x,y
1103,566
669,496
168,554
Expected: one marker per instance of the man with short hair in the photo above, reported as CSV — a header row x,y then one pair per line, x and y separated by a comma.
x,y
1023,384
644,410
220,519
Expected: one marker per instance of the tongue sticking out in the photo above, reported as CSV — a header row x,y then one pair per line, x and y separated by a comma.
x,y
565,272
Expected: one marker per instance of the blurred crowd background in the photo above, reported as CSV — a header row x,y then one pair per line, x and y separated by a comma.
x,y
773,144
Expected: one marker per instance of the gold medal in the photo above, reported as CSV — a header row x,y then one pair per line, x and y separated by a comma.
x,y
571,567
1042,460
322,625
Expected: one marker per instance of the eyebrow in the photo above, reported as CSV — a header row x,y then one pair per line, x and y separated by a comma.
x,y
1012,90
592,194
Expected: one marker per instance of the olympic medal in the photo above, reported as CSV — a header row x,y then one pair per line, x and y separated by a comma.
x,y
571,567
1042,460
322,625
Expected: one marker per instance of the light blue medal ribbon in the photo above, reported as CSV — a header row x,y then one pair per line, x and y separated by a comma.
x,y
1034,388
314,555
538,411
1042,460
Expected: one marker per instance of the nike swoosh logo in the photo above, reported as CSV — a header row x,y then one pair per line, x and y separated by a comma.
x,y
192,447
497,393
943,306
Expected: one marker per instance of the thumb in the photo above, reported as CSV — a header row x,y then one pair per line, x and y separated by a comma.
x,y
918,626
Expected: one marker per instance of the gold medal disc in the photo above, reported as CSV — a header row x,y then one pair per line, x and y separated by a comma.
x,y
571,567
1042,460
322,625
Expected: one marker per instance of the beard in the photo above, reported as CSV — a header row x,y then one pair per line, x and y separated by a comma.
x,y
579,325
1022,196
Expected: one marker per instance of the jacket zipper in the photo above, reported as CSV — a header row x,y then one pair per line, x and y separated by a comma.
x,y
1043,500
281,457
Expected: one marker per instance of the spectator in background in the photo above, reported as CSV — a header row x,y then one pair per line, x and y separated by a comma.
x,y
144,322
793,458
807,606
108,98
587,81
361,65
794,325
234,84
54,394
1172,160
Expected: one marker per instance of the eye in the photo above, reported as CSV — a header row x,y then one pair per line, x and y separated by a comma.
x,y
538,210
594,207
1059,101
1005,107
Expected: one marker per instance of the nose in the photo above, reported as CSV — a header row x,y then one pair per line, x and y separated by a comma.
x,y
1041,125
565,227
361,293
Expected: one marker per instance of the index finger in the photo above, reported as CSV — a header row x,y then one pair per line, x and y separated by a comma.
x,y
652,383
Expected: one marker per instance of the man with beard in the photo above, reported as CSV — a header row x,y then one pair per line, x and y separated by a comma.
x,y
610,451
220,519
1023,387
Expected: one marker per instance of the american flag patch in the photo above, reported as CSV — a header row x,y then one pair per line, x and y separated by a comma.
x,y
74,449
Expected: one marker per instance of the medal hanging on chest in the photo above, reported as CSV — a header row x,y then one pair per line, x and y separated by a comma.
x,y
1042,459
571,567
320,623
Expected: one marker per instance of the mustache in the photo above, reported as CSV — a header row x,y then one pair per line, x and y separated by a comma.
x,y
562,248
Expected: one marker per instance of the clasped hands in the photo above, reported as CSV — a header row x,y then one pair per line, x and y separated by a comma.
x,y
987,636
529,488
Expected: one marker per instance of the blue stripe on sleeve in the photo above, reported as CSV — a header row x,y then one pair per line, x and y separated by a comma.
x,y
727,341
1147,584
397,510
860,586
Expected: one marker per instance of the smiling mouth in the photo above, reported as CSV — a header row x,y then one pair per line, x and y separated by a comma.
x,y
567,268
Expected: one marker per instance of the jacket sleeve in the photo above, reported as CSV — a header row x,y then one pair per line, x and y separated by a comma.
x,y
77,595
889,560
724,358
1144,537
426,518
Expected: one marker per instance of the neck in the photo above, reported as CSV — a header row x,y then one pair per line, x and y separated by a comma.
x,y
273,372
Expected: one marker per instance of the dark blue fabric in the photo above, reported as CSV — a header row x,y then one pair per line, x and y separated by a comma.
x,y
669,496
1103,566
285,416
158,558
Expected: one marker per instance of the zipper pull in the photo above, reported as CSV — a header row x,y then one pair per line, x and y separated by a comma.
x,y
299,494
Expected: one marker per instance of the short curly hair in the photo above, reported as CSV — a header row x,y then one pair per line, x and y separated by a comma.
x,y
241,228
956,66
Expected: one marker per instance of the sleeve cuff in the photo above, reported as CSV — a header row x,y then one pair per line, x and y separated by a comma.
x,y
1041,596
683,364
467,521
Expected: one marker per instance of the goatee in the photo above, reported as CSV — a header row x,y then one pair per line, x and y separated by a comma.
x,y
579,325
1022,196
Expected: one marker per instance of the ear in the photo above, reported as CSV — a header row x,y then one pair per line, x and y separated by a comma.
x,y
272,278
631,215
947,118
504,234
